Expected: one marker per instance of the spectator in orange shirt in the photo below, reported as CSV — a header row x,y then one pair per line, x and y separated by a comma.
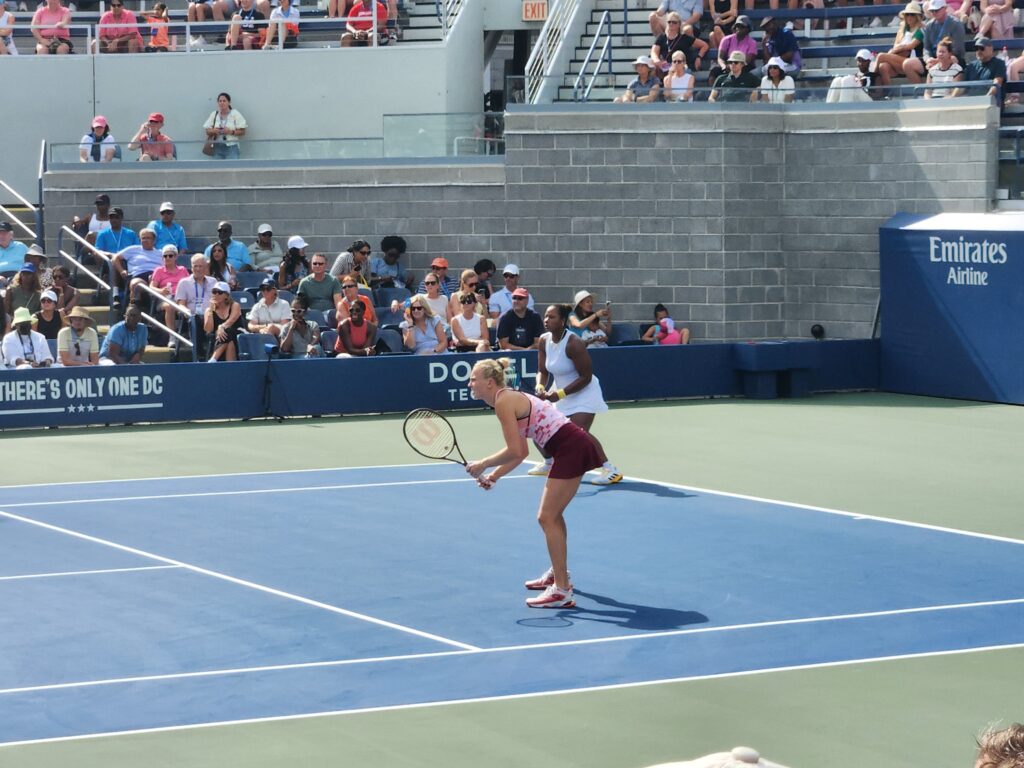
x,y
351,296
158,39
155,145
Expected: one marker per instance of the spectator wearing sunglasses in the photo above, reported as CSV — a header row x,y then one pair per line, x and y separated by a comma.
x,y
300,338
265,253
67,294
354,259
469,327
520,328
223,321
468,283
357,335
77,343
438,302
446,283
422,330
118,32
352,297
385,271
501,300
166,278
237,253
321,291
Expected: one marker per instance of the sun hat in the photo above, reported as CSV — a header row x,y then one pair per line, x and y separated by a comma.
x,y
738,57
21,315
647,61
912,9
776,61
82,313
580,296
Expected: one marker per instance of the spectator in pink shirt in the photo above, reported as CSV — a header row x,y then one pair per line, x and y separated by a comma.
x,y
739,40
166,278
118,30
50,29
152,141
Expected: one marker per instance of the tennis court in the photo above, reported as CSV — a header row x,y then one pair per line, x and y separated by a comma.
x,y
375,610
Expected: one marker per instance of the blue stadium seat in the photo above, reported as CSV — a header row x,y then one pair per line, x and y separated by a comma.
x,y
327,340
52,344
367,293
245,300
318,317
252,279
253,346
386,295
624,334
286,296
386,317
331,319
393,340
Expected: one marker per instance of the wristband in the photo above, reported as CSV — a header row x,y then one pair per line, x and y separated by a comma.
x,y
561,394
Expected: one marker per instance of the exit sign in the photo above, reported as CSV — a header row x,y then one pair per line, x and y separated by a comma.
x,y
535,10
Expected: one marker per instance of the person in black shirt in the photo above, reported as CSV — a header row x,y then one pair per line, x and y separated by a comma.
x,y
522,327
738,85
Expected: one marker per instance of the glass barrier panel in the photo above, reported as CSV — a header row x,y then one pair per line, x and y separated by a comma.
x,y
247,149
444,134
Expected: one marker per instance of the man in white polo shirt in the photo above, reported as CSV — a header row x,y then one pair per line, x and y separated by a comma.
x,y
501,300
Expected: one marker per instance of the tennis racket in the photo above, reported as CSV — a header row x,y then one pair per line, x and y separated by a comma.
x,y
430,434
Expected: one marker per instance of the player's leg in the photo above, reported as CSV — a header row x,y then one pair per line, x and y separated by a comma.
x,y
608,473
551,517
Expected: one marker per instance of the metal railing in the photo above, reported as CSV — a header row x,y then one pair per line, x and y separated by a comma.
x,y
63,153
543,56
604,26
447,11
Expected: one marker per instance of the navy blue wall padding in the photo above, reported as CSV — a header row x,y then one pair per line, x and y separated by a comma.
x,y
167,392
952,306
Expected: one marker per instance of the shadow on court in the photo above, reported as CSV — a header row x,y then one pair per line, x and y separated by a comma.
x,y
625,615
635,486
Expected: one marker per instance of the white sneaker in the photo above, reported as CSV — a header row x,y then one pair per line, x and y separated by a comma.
x,y
875,23
553,597
540,469
606,476
895,21
197,41
23,6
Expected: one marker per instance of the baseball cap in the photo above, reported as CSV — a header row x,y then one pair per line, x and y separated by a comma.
x,y
222,287
510,269
166,206
265,229
935,5
864,54
268,283
296,242
104,198
99,122
35,250
982,42
742,21
440,261
28,266
739,57
48,295
169,248
521,293
5,226
774,61
156,117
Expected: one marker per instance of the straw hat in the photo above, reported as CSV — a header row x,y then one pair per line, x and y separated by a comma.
x,y
80,312
912,9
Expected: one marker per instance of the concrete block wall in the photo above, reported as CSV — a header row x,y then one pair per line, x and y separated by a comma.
x,y
752,222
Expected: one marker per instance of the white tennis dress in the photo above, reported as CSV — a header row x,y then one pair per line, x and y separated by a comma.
x,y
590,399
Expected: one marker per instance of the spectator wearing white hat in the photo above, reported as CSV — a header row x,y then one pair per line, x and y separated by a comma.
x,y
776,86
265,253
854,87
24,348
222,322
294,266
48,320
941,25
238,254
908,44
77,344
501,300
645,87
593,326
168,231
133,266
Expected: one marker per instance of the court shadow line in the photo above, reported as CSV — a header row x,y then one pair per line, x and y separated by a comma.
x,y
631,615
638,486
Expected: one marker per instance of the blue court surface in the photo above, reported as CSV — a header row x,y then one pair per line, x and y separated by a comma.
x,y
167,603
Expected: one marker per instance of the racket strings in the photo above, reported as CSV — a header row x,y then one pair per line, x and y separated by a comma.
x,y
433,436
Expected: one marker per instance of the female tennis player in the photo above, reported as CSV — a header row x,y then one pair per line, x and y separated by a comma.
x,y
576,392
573,452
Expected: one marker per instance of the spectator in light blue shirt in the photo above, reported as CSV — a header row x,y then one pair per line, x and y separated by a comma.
x,y
126,341
385,271
12,253
689,11
238,254
118,237
168,231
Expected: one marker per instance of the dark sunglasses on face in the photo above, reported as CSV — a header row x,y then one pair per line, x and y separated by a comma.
x,y
430,282
350,285
468,300
366,252
416,309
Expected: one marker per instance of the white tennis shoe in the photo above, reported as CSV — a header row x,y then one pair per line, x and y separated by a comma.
x,y
540,469
553,597
605,476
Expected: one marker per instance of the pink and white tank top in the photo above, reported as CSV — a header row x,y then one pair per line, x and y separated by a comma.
x,y
541,423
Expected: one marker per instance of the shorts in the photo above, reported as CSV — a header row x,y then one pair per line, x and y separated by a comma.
x,y
57,42
573,451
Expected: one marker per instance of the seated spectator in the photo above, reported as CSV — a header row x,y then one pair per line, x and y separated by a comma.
x,y
37,258
321,291
468,283
92,224
47,320
194,294
97,146
294,267
1001,749
855,87
12,253
437,302
778,40
469,326
24,348
357,334
354,260
200,11
224,127
50,29
168,231
941,25
265,253
738,85
777,87
645,87
7,46
724,14
522,327
359,27
422,331
385,271
909,43
663,329
118,31
945,71
284,23
300,338
447,284
116,237
67,294
246,27
159,20
996,19
77,343
23,292
680,38
222,322
237,253
689,12
739,40
270,314
133,266
678,82
593,326
220,269
351,297
987,66
151,141
126,341
485,269
501,300
166,279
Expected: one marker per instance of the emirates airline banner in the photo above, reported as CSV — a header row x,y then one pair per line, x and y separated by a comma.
x,y
952,306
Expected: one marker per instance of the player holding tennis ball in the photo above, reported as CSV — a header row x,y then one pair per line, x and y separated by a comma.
x,y
524,417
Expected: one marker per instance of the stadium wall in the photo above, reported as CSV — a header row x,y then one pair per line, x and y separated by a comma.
x,y
750,222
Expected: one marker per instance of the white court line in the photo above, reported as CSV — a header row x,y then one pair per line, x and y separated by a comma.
x,y
512,648
87,573
199,494
242,582
515,696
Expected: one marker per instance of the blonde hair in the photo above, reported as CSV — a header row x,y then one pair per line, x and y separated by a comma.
x,y
495,369
420,300
1002,749
673,16
466,274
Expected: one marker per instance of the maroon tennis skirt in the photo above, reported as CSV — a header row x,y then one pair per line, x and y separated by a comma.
x,y
574,452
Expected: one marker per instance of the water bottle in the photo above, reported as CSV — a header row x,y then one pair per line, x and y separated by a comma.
x,y
1004,55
